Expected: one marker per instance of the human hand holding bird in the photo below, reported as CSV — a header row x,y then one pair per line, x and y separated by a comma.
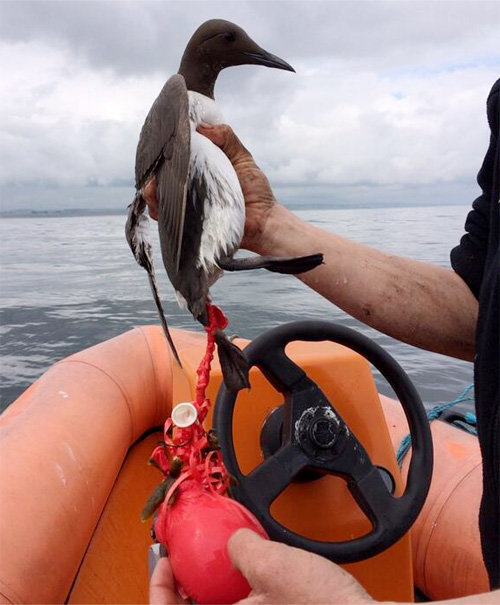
x,y
259,197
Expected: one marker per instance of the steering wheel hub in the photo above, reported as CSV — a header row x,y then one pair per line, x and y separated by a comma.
x,y
319,431
323,432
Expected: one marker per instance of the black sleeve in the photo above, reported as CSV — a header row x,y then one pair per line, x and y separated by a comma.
x,y
468,258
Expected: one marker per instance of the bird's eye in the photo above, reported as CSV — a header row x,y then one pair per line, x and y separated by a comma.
x,y
229,36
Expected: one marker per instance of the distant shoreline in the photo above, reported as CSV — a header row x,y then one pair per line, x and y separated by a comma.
x,y
72,212
67,212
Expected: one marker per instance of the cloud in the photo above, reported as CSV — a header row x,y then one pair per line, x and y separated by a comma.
x,y
373,129
387,94
66,122
141,36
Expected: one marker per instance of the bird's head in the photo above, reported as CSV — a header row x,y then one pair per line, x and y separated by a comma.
x,y
218,44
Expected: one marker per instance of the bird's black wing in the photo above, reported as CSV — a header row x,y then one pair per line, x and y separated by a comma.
x,y
164,150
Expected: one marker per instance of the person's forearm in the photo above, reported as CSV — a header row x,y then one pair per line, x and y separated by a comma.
x,y
419,303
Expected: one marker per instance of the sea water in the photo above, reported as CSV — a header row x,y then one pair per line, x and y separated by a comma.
x,y
70,282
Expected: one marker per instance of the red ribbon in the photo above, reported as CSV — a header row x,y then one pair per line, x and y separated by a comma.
x,y
191,444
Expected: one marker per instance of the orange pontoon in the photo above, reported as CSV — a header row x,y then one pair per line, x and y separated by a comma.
x,y
74,475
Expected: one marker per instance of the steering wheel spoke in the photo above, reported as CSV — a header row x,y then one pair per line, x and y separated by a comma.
x,y
271,477
279,369
372,495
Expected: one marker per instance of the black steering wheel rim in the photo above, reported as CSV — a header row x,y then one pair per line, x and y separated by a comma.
x,y
391,517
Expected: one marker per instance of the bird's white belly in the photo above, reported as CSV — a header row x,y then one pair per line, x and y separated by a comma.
x,y
224,205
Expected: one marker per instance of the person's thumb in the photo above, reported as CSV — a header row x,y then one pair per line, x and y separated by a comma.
x,y
223,136
279,573
162,585
256,558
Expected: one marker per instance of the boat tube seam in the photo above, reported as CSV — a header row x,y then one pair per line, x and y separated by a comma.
x,y
5,590
117,384
142,330
437,516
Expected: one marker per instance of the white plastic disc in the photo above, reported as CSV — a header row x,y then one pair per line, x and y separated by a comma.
x,y
184,415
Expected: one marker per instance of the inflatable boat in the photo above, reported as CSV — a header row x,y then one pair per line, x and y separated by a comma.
x,y
74,450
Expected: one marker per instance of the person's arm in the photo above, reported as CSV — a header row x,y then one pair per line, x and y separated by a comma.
x,y
419,303
422,304
282,574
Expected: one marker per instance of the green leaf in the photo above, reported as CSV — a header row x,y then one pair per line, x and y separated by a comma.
x,y
156,498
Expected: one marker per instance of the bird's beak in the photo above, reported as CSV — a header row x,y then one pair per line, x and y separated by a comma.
x,y
262,57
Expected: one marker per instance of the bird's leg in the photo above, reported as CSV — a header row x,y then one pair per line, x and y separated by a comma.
x,y
288,265
203,317
233,363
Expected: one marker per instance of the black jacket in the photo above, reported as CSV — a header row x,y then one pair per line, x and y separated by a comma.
x,y
477,261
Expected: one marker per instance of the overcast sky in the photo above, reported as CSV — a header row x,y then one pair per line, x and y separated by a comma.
x,y
388,102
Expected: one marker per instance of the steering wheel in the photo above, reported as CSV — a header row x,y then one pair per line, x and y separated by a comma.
x,y
314,436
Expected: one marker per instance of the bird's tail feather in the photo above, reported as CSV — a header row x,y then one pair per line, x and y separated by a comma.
x,y
286,264
164,325
137,234
233,363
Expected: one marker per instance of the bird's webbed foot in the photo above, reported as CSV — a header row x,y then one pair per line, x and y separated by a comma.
x,y
233,363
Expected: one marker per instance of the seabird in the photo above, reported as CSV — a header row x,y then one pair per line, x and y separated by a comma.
x,y
201,209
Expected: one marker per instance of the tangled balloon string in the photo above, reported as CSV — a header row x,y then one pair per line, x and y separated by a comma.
x,y
191,452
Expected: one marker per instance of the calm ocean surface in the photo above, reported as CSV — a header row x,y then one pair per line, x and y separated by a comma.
x,y
70,282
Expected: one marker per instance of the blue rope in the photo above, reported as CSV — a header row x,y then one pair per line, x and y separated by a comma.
x,y
470,418
468,424
467,427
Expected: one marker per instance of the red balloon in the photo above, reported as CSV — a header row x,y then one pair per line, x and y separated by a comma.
x,y
195,530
